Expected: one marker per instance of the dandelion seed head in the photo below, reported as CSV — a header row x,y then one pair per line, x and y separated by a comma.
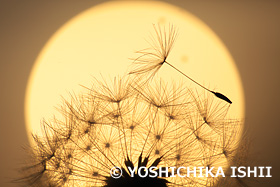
x,y
135,120
133,132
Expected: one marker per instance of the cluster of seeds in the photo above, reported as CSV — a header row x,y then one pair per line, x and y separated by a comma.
x,y
133,121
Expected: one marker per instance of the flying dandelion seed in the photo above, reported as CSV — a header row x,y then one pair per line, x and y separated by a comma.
x,y
151,60
127,123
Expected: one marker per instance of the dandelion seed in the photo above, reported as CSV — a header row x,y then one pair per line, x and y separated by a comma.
x,y
150,60
212,112
114,92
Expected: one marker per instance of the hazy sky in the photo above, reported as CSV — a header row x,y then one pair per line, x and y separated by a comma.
x,y
249,30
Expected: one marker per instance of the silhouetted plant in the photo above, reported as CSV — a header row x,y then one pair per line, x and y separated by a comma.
x,y
133,121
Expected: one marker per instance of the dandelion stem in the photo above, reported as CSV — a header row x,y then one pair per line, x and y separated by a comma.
x,y
217,94
187,76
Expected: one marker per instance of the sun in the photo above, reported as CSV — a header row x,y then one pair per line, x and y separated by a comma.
x,y
101,43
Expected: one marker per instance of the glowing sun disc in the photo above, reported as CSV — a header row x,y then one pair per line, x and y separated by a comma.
x,y
101,40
